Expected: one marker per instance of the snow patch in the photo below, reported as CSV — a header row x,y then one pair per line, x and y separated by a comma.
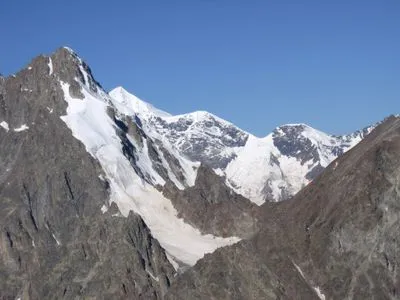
x,y
4,124
319,293
173,262
104,209
152,276
23,127
69,49
316,289
50,64
57,241
299,270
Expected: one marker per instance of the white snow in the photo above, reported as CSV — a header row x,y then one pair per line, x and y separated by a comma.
x,y
50,64
57,241
319,293
299,270
104,209
129,104
21,128
91,125
316,289
254,169
335,165
173,262
4,124
69,49
152,276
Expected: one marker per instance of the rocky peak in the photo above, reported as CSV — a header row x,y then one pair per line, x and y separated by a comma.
x,y
70,68
291,141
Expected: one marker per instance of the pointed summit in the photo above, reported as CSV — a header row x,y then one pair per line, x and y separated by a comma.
x,y
69,67
130,104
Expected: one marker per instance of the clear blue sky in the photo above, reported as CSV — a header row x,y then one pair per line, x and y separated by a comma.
x,y
332,64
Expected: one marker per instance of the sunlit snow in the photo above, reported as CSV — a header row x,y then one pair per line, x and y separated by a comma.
x,y
4,124
90,124
21,128
50,64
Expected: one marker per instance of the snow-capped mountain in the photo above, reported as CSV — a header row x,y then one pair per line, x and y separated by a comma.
x,y
136,170
103,195
272,168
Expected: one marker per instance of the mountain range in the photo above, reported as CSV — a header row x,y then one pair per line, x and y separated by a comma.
x,y
104,196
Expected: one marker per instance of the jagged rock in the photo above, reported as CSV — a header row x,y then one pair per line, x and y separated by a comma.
x,y
212,207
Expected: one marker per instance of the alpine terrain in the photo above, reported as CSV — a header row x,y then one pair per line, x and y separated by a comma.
x,y
103,196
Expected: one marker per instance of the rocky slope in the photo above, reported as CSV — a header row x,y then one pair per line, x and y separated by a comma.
x,y
338,238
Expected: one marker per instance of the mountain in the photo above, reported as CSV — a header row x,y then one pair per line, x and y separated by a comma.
x,y
338,238
272,168
56,241
104,196
83,211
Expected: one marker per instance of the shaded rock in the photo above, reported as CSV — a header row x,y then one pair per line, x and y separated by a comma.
x,y
213,207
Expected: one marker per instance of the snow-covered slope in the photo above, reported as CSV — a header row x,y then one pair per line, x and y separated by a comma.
x,y
271,168
132,172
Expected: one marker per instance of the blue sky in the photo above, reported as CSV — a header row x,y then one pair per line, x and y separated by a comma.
x,y
332,64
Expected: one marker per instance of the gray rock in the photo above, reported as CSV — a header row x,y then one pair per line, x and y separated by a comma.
x,y
213,207
55,242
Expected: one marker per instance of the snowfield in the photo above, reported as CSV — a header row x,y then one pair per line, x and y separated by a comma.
x,y
91,125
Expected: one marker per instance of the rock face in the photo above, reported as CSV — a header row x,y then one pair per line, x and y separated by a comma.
x,y
336,239
55,241
214,208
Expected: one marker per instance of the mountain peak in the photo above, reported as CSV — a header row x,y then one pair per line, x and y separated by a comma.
x,y
71,68
129,104
68,49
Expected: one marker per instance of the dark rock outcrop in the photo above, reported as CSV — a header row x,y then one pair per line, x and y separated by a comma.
x,y
213,207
